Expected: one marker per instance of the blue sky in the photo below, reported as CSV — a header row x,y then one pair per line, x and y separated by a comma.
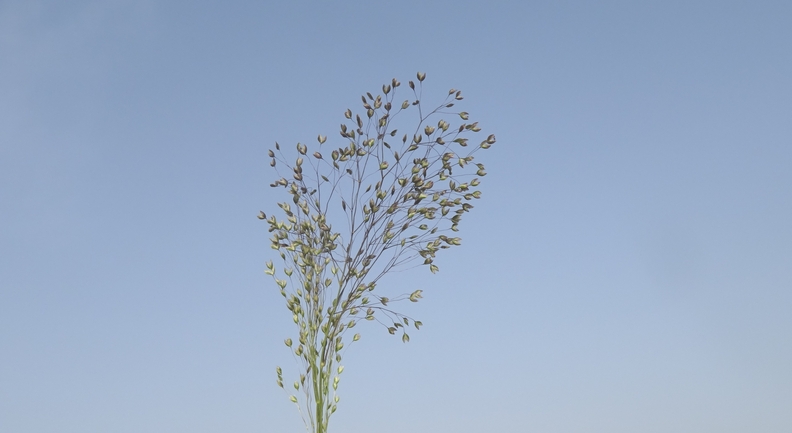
x,y
629,267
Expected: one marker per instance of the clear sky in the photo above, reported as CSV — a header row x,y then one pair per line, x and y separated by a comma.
x,y
628,269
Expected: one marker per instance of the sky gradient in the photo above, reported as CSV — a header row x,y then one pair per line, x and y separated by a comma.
x,y
628,268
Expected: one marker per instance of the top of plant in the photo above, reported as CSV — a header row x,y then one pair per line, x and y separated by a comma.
x,y
386,196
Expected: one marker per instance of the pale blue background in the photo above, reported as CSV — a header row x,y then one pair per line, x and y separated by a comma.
x,y
629,268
